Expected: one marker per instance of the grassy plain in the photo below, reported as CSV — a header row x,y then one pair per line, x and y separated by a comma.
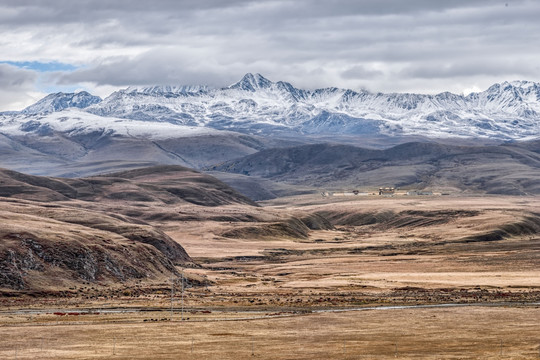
x,y
449,333
260,293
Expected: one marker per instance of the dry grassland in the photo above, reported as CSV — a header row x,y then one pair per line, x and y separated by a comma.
x,y
454,333
397,250
375,251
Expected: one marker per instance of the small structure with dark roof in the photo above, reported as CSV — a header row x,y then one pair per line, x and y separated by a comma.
x,y
387,191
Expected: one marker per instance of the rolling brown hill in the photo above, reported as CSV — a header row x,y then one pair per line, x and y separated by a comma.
x,y
47,248
55,233
170,184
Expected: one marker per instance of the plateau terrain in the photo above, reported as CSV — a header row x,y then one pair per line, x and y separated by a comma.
x,y
260,218
188,266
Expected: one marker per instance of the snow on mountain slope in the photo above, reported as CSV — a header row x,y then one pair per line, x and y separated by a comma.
x,y
73,142
60,101
74,122
256,105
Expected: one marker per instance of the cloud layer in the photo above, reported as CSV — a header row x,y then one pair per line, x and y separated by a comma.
x,y
387,45
16,86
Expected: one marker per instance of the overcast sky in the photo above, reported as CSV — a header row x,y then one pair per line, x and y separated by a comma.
x,y
422,46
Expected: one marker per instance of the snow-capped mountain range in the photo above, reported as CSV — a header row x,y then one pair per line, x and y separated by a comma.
x,y
256,105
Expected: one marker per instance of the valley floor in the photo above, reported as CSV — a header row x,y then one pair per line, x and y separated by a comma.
x,y
391,250
431,333
262,284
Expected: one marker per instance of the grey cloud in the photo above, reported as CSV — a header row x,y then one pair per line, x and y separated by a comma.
x,y
69,11
383,45
492,67
15,86
14,79
152,68
166,16
361,72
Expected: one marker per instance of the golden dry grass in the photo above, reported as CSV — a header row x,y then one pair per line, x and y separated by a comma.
x,y
453,333
432,262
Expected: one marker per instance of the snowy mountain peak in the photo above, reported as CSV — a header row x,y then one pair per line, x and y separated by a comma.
x,y
60,101
162,90
523,84
251,82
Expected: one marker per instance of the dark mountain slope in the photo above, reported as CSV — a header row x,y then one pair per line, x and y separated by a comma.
x,y
508,169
